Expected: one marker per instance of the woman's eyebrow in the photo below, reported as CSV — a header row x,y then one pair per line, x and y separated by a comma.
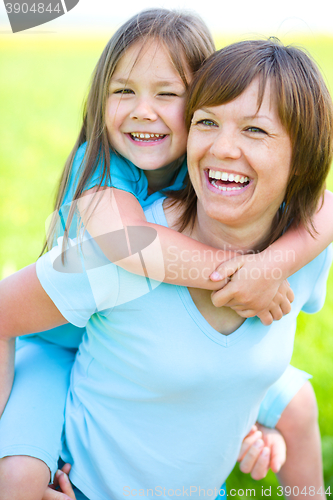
x,y
251,117
206,110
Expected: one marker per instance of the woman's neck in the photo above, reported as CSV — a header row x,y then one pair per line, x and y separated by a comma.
x,y
244,239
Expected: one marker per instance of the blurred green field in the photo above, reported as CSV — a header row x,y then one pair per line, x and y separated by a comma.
x,y
42,88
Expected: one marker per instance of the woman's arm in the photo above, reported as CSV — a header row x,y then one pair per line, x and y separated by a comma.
x,y
24,308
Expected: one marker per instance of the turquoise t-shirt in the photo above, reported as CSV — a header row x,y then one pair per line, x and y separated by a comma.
x,y
124,175
159,400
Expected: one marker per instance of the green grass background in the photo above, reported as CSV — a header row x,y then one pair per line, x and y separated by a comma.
x,y
42,87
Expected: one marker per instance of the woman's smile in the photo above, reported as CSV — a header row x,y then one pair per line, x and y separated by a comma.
x,y
226,182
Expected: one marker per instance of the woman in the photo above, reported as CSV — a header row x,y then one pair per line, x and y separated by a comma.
x,y
165,410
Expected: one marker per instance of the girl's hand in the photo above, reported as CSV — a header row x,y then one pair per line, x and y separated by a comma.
x,y
262,449
61,489
255,288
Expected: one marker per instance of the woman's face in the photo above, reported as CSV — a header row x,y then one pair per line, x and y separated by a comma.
x,y
239,159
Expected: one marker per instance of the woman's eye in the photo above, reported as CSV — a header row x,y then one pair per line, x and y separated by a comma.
x,y
123,91
206,122
256,130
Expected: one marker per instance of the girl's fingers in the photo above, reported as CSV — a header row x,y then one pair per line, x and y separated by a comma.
x,y
248,441
265,317
290,295
221,298
250,458
226,269
66,468
65,485
278,455
61,482
55,495
276,311
261,466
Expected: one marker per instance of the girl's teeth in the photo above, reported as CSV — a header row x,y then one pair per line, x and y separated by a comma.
x,y
224,176
139,135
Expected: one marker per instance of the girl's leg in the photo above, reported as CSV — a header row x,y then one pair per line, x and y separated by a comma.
x,y
290,406
303,469
31,425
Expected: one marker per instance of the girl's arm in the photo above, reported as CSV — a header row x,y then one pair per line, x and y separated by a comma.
x,y
112,215
166,255
24,308
255,277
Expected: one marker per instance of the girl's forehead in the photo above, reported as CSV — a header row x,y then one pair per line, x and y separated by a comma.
x,y
148,55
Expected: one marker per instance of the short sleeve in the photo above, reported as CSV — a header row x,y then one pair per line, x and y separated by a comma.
x,y
124,175
84,284
280,394
318,294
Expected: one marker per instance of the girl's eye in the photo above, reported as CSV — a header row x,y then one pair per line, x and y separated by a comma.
x,y
206,122
256,130
168,94
123,91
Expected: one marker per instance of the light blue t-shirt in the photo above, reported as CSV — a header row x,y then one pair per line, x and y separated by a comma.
x,y
159,400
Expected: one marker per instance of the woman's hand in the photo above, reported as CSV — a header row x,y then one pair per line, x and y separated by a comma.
x,y
255,288
61,489
262,449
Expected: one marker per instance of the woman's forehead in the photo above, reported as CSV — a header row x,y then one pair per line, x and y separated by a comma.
x,y
253,101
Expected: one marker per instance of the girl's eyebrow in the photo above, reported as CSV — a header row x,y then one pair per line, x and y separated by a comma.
x,y
161,83
123,81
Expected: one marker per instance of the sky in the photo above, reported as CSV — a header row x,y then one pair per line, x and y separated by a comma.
x,y
265,17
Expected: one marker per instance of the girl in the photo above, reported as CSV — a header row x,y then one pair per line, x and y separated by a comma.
x,y
118,64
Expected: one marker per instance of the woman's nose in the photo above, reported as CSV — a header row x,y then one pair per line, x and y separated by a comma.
x,y
143,110
226,145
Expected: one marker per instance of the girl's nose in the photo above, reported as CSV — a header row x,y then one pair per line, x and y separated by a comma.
x,y
143,110
225,146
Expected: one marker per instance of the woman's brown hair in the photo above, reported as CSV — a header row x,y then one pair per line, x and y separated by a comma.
x,y
189,44
304,107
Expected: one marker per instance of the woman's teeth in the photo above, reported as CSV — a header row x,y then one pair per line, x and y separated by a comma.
x,y
139,136
224,176
217,175
225,188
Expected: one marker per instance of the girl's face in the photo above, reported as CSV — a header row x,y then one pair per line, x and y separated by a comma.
x,y
239,159
145,109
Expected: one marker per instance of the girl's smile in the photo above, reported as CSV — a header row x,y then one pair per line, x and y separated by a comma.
x,y
145,108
